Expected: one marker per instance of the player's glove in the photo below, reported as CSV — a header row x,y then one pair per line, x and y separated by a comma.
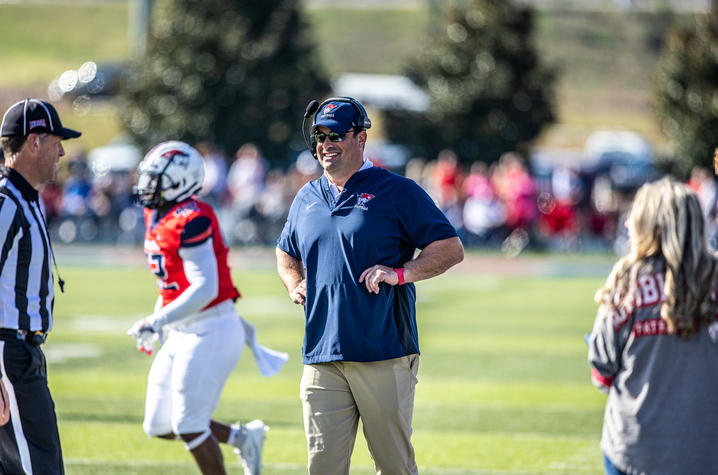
x,y
145,335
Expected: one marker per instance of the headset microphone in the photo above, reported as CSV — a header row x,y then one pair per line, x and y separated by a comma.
x,y
311,109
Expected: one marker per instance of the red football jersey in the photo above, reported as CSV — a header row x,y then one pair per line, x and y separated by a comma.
x,y
187,224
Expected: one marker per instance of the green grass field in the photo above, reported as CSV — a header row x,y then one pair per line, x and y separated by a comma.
x,y
503,380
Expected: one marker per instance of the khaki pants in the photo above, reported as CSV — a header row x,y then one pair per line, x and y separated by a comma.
x,y
335,395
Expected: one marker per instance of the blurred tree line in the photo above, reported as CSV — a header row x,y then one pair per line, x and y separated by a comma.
x,y
233,71
488,89
237,71
224,71
686,92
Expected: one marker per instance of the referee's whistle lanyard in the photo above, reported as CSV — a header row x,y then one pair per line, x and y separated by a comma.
x,y
60,282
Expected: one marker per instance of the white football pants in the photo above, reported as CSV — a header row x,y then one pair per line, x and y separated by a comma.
x,y
190,370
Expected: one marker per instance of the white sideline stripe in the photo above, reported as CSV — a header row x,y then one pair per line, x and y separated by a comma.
x,y
61,352
15,416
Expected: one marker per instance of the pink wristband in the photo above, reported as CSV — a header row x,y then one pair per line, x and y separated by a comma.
x,y
400,274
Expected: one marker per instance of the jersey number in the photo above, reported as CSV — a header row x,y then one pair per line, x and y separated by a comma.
x,y
157,266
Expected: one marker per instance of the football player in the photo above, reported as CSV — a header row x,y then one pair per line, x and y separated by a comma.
x,y
194,316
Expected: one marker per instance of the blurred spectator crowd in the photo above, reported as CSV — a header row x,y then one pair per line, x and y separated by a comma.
x,y
507,206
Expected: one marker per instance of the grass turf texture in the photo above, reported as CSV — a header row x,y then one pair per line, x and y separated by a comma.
x,y
503,379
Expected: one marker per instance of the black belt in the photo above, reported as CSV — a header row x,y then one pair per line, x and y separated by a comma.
x,y
35,338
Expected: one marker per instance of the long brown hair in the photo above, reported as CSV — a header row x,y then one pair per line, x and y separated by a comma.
x,y
666,229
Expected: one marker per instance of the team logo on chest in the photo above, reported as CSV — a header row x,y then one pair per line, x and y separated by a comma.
x,y
362,200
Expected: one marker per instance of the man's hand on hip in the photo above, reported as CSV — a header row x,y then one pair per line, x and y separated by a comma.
x,y
4,405
299,293
375,275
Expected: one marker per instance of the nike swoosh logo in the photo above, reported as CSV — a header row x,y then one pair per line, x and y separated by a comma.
x,y
310,205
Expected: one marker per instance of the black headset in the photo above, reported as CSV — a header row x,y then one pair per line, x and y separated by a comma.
x,y
361,118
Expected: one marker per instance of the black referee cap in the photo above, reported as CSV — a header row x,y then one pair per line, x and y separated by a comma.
x,y
34,116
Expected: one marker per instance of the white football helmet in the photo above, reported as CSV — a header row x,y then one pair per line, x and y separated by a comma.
x,y
170,172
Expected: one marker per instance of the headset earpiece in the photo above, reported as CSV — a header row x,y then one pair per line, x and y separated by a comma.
x,y
313,148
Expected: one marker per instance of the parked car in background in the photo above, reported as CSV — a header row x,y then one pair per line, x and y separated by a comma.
x,y
625,157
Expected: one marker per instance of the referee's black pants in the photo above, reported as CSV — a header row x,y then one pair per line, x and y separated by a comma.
x,y
30,442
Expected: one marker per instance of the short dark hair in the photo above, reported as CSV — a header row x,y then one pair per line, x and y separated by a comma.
x,y
12,144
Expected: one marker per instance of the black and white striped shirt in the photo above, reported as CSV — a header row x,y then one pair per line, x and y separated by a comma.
x,y
26,281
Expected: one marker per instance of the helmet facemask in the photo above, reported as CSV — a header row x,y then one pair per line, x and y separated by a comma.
x,y
149,189
171,172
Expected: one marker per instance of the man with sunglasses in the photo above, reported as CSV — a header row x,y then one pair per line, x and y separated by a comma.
x,y
347,255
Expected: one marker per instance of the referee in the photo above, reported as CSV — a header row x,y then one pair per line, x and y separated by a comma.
x,y
31,135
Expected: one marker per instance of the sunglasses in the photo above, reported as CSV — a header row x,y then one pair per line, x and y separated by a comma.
x,y
320,137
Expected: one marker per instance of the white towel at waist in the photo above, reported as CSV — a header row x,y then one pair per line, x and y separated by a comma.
x,y
268,361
